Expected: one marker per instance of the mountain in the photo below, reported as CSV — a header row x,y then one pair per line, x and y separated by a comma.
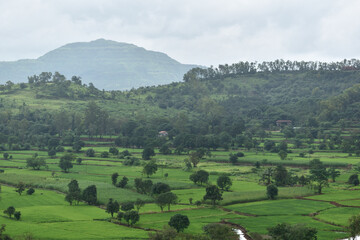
x,y
107,64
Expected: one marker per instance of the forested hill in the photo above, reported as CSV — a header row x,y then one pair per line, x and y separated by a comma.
x,y
107,64
229,109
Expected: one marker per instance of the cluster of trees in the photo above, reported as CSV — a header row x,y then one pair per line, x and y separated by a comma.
x,y
12,211
88,195
241,68
127,210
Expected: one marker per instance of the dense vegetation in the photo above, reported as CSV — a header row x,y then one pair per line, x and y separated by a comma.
x,y
183,155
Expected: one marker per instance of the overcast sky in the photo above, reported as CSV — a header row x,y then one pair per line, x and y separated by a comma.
x,y
206,32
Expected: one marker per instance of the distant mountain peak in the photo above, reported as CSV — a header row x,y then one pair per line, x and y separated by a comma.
x,y
106,63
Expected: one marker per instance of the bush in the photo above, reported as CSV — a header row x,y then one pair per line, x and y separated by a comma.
x,y
90,152
105,154
240,154
30,191
271,191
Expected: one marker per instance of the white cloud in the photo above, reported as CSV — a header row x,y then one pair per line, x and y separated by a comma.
x,y
202,32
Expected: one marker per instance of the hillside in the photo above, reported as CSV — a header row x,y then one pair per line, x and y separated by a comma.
x,y
107,64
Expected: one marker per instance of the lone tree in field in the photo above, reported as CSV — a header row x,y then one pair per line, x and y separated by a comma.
x,y
112,207
224,182
90,195
65,162
213,193
20,188
150,168
9,211
353,179
114,178
147,153
200,176
354,226
179,222
143,187
319,174
272,191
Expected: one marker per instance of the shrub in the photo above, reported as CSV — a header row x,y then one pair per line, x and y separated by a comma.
x,y
30,191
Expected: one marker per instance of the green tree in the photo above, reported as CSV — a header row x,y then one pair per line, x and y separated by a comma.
x,y
150,168
30,191
200,176
35,162
354,179
285,231
65,162
6,156
282,154
354,226
131,217
74,192
220,231
179,222
114,151
224,182
17,215
139,204
20,188
167,233
147,153
281,176
90,152
271,191
123,182
166,199
114,178
112,207
333,173
233,159
90,195
9,211
319,174
159,188
213,193
127,206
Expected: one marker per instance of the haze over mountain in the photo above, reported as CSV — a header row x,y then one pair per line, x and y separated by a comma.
x,y
107,64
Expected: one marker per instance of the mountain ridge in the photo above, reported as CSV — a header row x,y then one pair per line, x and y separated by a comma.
x,y
107,64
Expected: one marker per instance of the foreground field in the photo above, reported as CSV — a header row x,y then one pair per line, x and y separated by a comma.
x,y
46,215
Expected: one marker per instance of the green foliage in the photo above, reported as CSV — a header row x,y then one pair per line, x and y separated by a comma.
x,y
20,188
35,162
131,217
179,222
65,162
271,191
147,153
150,168
127,206
224,182
286,231
220,231
200,176
89,195
112,207
90,152
17,215
114,178
166,199
9,211
354,226
213,193
159,188
123,182
354,179
30,191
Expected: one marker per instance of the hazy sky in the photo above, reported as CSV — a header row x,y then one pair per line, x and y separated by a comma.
x,y
191,31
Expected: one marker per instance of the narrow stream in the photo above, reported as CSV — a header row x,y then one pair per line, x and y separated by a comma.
x,y
242,237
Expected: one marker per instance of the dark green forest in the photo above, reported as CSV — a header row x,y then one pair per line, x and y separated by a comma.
x,y
223,107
